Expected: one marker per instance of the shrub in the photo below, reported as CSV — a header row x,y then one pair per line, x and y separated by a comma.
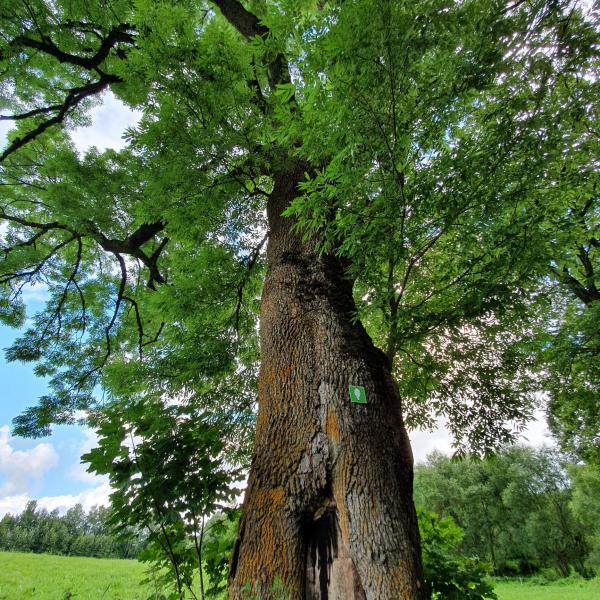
x,y
449,575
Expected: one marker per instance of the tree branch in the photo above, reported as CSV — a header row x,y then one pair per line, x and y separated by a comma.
x,y
11,276
240,291
132,247
118,34
249,26
243,20
586,294
56,315
121,33
33,224
73,98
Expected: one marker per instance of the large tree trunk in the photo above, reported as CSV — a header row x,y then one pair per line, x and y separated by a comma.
x,y
328,512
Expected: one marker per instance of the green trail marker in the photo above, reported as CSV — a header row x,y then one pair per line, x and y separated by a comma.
x,y
358,394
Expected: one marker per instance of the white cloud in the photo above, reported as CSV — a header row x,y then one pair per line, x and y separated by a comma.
x,y
37,292
22,469
5,126
93,496
109,122
13,505
537,433
424,442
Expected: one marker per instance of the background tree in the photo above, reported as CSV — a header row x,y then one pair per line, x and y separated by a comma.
x,y
586,484
75,533
517,509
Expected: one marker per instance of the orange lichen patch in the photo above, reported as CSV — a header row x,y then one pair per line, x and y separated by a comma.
x,y
332,428
272,378
285,371
277,495
267,546
268,377
338,496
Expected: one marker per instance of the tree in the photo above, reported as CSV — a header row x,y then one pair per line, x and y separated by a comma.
x,y
75,533
396,151
516,508
584,505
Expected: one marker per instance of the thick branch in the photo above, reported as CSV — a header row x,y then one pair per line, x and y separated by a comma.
x,y
243,20
240,291
33,224
132,247
586,294
249,26
584,259
118,34
32,113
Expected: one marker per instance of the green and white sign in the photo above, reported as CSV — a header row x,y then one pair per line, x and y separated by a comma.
x,y
358,394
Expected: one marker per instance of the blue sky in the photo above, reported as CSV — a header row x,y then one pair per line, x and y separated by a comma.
x,y
49,469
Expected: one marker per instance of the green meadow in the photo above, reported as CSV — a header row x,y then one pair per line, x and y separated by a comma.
x,y
47,577
567,589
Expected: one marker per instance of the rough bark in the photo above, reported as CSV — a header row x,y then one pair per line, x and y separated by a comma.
x,y
328,511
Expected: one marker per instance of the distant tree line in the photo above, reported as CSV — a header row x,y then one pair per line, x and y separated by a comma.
x,y
75,533
524,510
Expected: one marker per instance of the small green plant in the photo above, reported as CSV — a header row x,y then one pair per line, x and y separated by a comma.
x,y
219,539
275,592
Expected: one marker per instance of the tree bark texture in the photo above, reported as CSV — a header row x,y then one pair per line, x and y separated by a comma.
x,y
328,512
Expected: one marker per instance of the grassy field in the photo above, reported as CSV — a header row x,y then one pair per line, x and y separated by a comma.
x,y
568,589
46,577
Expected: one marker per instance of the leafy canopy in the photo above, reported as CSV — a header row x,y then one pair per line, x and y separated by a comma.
x,y
448,149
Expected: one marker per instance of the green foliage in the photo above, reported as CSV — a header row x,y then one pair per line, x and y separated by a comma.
x,y
516,509
219,541
448,151
168,467
450,163
449,575
572,377
75,533
442,166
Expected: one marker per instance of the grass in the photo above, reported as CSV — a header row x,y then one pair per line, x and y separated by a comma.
x,y
46,577
565,589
